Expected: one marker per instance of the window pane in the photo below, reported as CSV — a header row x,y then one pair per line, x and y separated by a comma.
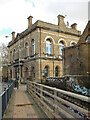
x,y
27,51
88,39
33,72
60,48
56,71
72,44
48,47
46,71
33,47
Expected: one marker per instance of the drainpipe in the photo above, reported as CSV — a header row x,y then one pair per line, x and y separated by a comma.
x,y
40,58
53,61
19,56
63,64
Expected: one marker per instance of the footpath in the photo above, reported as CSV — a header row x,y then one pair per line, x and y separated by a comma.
x,y
22,105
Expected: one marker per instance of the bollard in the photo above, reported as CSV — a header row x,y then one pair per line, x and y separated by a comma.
x,y
55,101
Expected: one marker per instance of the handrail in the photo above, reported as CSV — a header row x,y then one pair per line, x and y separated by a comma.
x,y
81,97
5,97
53,102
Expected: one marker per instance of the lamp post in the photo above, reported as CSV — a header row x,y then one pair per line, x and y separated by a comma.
x,y
19,48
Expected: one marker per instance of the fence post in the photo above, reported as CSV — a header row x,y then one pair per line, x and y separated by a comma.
x,y
41,87
6,98
27,85
34,88
30,87
55,101
0,107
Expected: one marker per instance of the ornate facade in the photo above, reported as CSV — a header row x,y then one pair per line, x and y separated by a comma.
x,y
37,51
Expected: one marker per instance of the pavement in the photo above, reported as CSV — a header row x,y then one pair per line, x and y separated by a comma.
x,y
22,105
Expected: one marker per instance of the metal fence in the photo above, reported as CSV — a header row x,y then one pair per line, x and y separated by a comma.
x,y
59,103
5,97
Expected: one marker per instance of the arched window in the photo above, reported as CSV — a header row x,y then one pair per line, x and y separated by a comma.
x,y
33,73
27,49
46,71
57,71
73,43
61,46
33,47
48,46
10,55
10,73
14,52
26,72
88,38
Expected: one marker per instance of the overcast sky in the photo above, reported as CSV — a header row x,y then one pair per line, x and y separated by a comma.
x,y
14,14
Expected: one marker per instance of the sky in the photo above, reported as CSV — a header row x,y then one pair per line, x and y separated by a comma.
x,y
14,14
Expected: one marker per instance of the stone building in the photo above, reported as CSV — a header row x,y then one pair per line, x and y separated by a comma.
x,y
77,58
37,51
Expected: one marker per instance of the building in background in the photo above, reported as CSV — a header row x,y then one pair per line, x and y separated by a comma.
x,y
39,48
77,58
3,62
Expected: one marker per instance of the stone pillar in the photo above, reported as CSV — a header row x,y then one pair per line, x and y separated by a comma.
x,y
74,26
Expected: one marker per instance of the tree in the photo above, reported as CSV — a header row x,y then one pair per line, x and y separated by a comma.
x,y
4,59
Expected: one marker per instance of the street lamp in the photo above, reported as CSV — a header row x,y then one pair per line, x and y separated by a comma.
x,y
19,48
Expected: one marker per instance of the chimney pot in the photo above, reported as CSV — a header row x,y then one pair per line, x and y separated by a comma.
x,y
74,26
29,21
67,24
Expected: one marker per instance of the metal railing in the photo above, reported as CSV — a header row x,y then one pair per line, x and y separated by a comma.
x,y
5,97
58,103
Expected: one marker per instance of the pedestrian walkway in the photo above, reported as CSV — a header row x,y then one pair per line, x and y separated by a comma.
x,y
22,105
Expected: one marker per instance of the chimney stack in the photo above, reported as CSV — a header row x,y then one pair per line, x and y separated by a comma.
x,y
61,20
13,35
74,26
67,24
29,21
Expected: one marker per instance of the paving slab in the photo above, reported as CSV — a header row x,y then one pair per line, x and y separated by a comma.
x,y
22,105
